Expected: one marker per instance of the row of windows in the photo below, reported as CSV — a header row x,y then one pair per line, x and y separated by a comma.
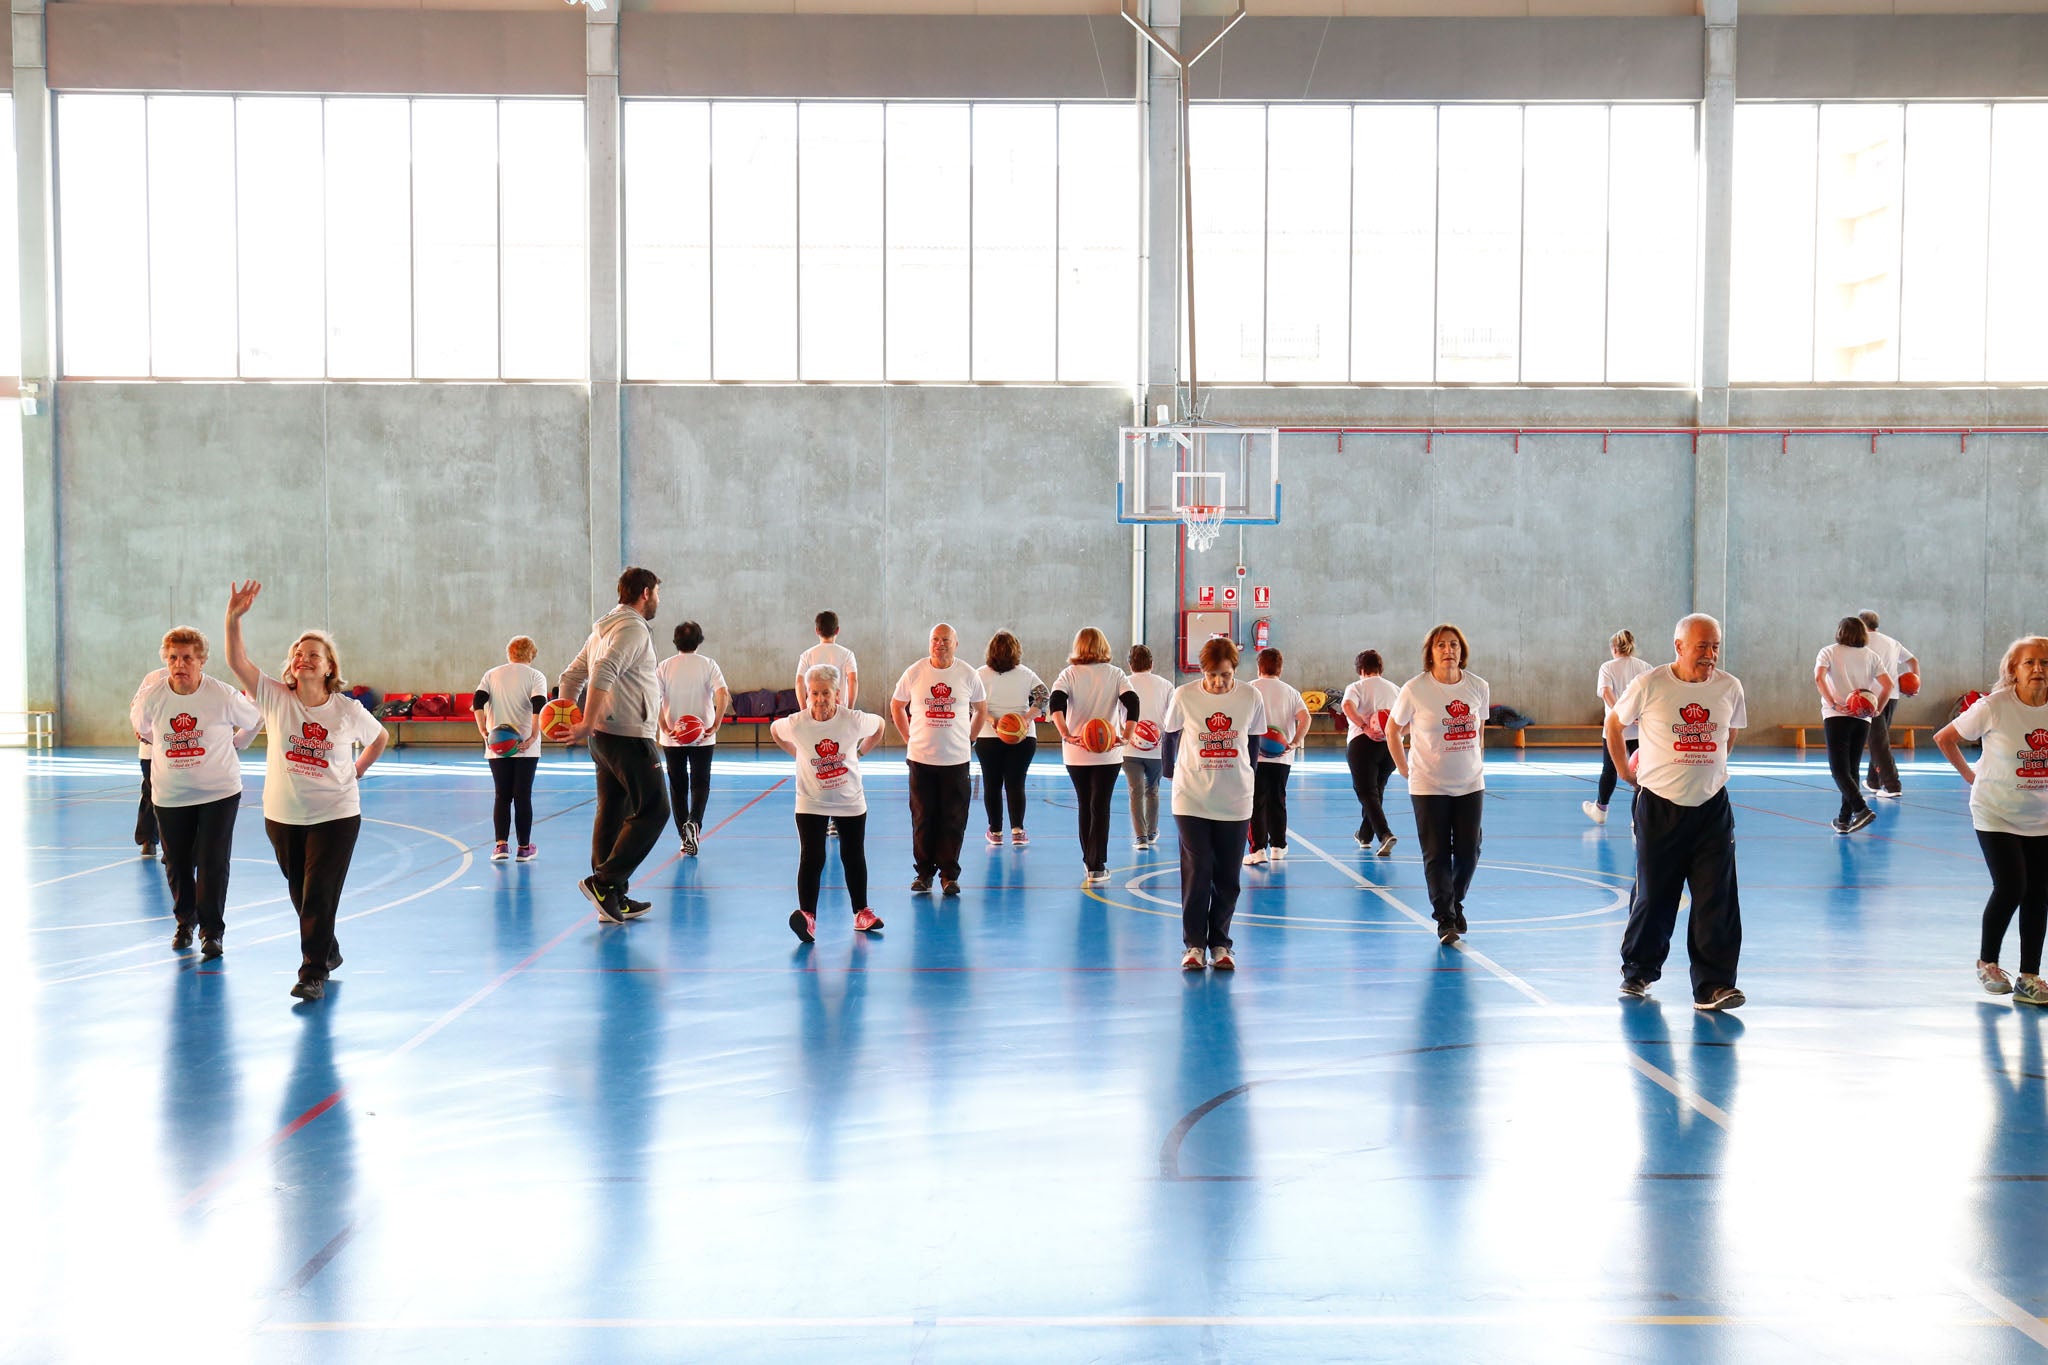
x,y
208,236
370,238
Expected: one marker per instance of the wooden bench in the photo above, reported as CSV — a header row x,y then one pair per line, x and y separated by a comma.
x,y
1903,736
1575,737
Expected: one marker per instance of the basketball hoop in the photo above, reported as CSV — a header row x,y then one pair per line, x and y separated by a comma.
x,y
1203,523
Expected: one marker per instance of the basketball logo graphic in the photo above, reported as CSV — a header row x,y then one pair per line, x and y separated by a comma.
x,y
1457,710
942,692
1218,723
315,732
828,748
2037,740
183,723
1692,713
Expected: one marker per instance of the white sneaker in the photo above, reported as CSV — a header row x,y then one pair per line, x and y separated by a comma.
x,y
1278,853
1255,857
1596,813
1193,960
1387,845
1095,879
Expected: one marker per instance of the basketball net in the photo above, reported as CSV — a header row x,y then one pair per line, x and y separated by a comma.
x,y
1203,525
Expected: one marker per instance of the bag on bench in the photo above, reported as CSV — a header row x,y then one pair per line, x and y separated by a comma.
x,y
758,704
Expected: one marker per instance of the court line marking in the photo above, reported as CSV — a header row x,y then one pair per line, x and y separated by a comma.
x,y
1659,1077
2008,1312
132,860
1543,1317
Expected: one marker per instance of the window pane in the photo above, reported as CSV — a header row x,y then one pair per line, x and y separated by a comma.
x,y
455,238
1479,197
1308,243
1228,145
1098,229
192,235
13,617
840,241
667,173
1856,252
1016,218
1771,274
542,219
10,280
1652,244
1393,244
280,205
753,241
369,239
103,234
2018,347
927,241
1564,249
1942,256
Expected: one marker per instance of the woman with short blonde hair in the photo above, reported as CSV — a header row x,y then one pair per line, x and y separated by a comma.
x,y
1091,689
1613,679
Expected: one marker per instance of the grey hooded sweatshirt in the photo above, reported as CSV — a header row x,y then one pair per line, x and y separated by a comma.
x,y
619,657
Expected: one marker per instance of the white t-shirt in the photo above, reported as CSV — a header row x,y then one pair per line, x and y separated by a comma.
x,y
689,685
1092,694
191,740
1283,708
155,675
839,656
1686,729
1009,694
1369,696
2010,795
828,759
1212,776
1446,734
1615,676
1155,694
309,772
941,711
1850,668
509,690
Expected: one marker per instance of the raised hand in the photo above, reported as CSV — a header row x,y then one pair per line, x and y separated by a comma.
x,y
241,597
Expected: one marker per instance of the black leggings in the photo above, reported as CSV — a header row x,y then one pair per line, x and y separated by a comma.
x,y
513,804
145,812
1608,777
1448,829
199,841
689,782
1269,804
1211,854
1094,786
853,858
2019,881
314,860
1003,769
1371,765
1845,760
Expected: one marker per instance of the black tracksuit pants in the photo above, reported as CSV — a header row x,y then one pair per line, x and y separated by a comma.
x,y
1680,848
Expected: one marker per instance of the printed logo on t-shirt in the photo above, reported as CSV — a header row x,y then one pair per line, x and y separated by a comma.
x,y
184,741
939,708
310,747
2034,758
1694,733
1219,740
1458,723
828,767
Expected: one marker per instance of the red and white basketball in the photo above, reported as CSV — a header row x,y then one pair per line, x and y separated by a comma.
x,y
1376,725
1146,731
687,730
1861,703
1635,763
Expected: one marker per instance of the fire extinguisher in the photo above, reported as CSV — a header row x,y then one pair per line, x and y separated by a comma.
x,y
1262,633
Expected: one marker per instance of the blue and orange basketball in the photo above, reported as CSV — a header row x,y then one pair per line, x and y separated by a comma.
x,y
504,740
1272,744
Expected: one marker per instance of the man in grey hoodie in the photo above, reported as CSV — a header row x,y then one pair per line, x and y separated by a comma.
x,y
614,678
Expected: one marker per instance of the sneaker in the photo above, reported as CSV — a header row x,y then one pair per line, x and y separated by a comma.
x,y
1839,825
949,887
866,922
1221,960
2030,990
1095,878
804,925
1872,788
310,990
921,887
1387,845
1635,986
1018,837
604,898
831,828
209,949
1364,844
1446,932
1726,998
500,851
1192,960
1458,918
1277,853
1859,820
691,839
1993,979
146,851
528,852
1255,857
631,908
995,838
1890,793
1594,811
333,955
181,940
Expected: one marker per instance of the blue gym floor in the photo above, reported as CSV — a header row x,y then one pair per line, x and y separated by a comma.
x,y
1009,1128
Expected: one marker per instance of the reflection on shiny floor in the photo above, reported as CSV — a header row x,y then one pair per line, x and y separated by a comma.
x,y
1008,1128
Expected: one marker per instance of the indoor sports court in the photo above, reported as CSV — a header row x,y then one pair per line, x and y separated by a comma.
x,y
947,681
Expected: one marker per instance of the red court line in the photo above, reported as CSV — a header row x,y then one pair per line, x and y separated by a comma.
x,y
228,1174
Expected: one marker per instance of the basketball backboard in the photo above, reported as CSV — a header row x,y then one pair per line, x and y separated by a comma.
x,y
1163,470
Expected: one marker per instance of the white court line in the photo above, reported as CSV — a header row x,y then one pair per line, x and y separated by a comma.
x,y
2013,1315
130,861
1679,1090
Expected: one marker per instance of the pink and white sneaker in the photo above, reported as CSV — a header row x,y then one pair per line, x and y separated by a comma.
x,y
995,838
867,921
1019,837
500,851
804,926
528,852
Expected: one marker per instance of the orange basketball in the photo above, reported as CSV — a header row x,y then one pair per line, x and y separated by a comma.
x,y
1097,737
556,718
1909,684
1011,727
687,730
